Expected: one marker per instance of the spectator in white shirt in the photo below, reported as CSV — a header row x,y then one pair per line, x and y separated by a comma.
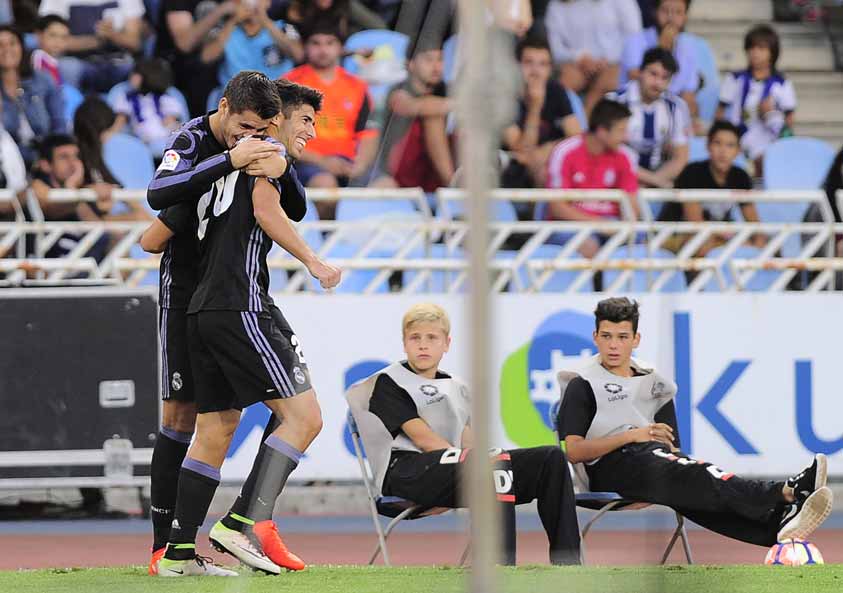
x,y
586,38
660,125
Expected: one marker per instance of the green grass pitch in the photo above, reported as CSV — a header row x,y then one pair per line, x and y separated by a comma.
x,y
526,579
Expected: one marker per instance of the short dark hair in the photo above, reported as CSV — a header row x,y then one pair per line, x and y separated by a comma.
x,y
767,36
607,113
322,26
531,42
616,310
49,19
722,125
50,143
687,4
295,95
156,75
250,90
659,55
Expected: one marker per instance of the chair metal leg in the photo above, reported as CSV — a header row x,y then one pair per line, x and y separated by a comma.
x,y
600,513
678,533
465,552
382,540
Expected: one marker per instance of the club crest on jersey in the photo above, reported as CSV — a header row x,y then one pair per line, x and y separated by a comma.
x,y
169,161
609,177
177,382
298,374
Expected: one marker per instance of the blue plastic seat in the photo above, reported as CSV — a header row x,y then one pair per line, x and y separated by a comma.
x,y
501,210
708,96
760,281
438,281
72,99
382,41
797,163
352,209
129,160
559,280
641,280
578,107
450,57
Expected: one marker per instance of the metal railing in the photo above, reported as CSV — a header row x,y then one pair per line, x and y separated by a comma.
x,y
429,250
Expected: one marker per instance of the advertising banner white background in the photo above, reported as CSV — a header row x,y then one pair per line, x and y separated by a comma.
x,y
759,388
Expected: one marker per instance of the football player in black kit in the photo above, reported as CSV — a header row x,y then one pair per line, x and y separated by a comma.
x,y
243,351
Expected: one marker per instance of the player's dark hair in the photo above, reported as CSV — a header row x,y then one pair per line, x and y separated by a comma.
x,y
531,42
250,90
721,125
659,55
49,19
322,26
765,36
687,4
606,114
47,147
156,75
616,310
295,95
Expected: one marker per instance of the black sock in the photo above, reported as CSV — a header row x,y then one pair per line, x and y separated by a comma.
x,y
167,456
197,484
274,463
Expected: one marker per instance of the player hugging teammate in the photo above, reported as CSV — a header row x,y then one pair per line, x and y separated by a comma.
x,y
227,192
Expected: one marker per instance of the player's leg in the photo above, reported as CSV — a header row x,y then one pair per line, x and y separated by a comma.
x,y
541,473
648,472
434,479
177,426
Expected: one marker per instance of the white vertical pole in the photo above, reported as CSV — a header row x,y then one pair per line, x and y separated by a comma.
x,y
476,129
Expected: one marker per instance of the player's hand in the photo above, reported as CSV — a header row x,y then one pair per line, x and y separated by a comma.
x,y
104,29
336,166
104,201
251,150
76,178
659,432
329,276
274,166
536,88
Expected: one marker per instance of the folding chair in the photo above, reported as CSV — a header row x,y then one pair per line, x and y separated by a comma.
x,y
604,502
395,508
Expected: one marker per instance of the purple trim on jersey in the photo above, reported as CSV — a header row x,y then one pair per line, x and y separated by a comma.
x,y
165,367
169,180
167,276
283,447
177,435
252,267
270,359
200,468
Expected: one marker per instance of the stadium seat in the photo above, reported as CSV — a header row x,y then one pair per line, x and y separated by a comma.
x,y
360,423
708,95
559,281
278,278
604,502
438,281
129,160
578,107
641,280
121,88
387,65
450,55
760,281
501,210
698,149
72,99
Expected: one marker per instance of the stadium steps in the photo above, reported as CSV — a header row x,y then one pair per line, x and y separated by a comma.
x,y
806,58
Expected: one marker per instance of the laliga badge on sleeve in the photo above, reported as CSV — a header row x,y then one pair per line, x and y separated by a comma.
x,y
169,161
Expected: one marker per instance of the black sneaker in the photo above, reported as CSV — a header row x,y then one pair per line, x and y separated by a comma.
x,y
811,479
803,517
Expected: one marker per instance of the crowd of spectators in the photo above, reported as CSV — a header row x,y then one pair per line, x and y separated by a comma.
x,y
607,94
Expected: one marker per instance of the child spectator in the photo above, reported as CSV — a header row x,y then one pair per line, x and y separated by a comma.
x,y
52,33
759,100
151,113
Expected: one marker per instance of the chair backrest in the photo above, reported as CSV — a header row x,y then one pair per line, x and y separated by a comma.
x,y
797,163
642,279
129,160
761,280
72,99
450,55
385,45
578,473
578,107
368,429
438,280
709,94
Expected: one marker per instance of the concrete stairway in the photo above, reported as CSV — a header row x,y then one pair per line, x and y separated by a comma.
x,y
806,58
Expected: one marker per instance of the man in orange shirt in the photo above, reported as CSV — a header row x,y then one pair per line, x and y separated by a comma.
x,y
347,139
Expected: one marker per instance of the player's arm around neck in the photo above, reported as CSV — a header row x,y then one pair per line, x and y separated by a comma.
x,y
424,437
274,221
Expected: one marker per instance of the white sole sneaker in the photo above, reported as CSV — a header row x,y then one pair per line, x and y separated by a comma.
x,y
814,511
229,541
195,567
822,471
